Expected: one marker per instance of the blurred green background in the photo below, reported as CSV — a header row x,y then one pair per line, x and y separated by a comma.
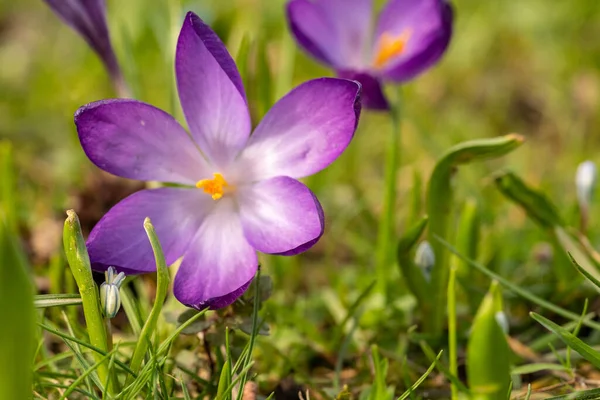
x,y
527,66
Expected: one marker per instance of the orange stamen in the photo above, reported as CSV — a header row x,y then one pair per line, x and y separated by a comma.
x,y
214,187
390,46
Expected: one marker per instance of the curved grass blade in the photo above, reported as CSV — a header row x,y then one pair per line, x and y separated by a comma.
x,y
162,277
439,207
569,339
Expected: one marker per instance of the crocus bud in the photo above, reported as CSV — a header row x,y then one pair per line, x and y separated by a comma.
x,y
109,292
425,258
585,180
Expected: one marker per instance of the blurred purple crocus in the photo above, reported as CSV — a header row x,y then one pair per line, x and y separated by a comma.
x,y
88,18
408,37
239,193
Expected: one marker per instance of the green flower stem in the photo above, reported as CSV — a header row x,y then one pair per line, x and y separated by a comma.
x,y
79,262
387,220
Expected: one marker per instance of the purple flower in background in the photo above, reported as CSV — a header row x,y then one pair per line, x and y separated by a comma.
x,y
240,192
408,37
88,18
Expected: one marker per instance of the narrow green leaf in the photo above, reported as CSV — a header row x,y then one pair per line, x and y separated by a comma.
x,y
520,291
162,277
224,381
87,372
55,300
421,379
583,264
569,339
537,367
84,344
79,262
17,334
439,208
592,394
488,353
535,203
442,368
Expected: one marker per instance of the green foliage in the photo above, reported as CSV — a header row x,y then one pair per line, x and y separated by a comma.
x,y
488,354
17,337
439,208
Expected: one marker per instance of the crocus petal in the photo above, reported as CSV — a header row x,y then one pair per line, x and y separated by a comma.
x,y
211,92
371,96
219,262
280,215
304,132
119,239
135,140
336,32
88,18
428,24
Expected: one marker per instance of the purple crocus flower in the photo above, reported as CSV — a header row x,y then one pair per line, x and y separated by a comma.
x,y
409,37
239,193
88,18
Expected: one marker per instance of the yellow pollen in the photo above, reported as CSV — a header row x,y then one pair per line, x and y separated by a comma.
x,y
214,187
390,46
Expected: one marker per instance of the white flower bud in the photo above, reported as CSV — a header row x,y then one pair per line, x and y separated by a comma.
x,y
424,258
585,181
109,293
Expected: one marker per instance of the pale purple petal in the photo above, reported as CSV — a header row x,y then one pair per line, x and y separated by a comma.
x,y
371,95
219,262
304,132
119,239
336,32
428,24
211,92
280,215
135,140
88,18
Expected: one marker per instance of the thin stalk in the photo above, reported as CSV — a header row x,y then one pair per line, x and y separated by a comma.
x,y
387,220
452,328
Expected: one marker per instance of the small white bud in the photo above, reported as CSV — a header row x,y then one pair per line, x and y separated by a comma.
x,y
109,293
502,321
585,181
425,258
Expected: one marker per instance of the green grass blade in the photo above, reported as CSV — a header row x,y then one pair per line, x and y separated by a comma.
x,y
569,339
421,379
439,209
163,280
101,352
55,300
518,290
583,271
255,328
592,394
